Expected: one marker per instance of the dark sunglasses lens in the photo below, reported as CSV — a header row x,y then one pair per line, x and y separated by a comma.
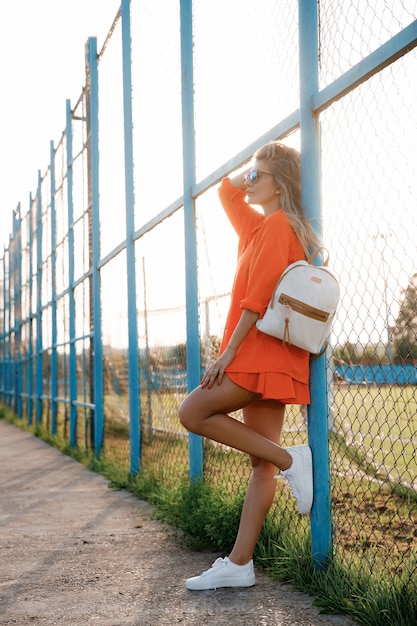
x,y
251,177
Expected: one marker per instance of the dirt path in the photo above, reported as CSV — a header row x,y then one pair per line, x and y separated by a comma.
x,y
74,552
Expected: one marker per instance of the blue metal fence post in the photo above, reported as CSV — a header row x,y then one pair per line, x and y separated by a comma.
x,y
39,271
7,322
9,325
321,536
54,353
30,357
17,287
71,295
2,324
133,353
4,327
193,339
19,374
93,127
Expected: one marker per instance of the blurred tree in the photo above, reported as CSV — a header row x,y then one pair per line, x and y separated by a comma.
x,y
348,353
404,332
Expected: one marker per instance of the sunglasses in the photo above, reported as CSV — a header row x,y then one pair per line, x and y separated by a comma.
x,y
252,177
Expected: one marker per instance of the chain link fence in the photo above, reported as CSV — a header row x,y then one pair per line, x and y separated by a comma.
x,y
369,190
61,303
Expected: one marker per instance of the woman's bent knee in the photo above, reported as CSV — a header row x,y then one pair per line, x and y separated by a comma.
x,y
184,414
193,411
189,418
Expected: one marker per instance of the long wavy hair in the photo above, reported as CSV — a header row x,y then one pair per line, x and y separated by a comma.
x,y
284,164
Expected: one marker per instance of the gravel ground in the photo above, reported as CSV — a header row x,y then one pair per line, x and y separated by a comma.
x,y
74,552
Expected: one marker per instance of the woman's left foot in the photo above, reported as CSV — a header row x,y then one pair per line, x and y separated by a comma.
x,y
223,573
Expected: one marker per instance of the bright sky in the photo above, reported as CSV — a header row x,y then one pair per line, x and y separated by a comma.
x,y
42,64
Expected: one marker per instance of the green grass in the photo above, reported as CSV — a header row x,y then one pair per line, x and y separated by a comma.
x,y
381,421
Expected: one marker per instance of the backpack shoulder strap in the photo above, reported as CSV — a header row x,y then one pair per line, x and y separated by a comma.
x,y
315,252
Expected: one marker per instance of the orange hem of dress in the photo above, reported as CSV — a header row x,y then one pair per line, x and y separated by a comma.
x,y
273,386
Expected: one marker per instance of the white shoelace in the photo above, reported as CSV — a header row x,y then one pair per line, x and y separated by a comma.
x,y
217,563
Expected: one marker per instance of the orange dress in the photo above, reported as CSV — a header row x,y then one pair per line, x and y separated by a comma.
x,y
267,245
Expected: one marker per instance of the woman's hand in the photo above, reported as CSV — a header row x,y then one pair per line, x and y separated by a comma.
x,y
239,180
245,324
216,371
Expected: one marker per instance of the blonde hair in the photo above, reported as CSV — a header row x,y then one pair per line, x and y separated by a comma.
x,y
284,164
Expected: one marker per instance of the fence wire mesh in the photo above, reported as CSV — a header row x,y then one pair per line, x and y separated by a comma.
x,y
369,191
370,217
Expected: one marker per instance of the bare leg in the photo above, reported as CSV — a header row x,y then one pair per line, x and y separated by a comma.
x,y
265,417
205,412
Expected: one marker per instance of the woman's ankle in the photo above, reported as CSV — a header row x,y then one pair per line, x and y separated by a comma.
x,y
240,559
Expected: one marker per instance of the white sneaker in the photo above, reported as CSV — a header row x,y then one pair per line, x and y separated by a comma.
x,y
300,477
223,573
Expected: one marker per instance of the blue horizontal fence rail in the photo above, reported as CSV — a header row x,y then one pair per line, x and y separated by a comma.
x,y
35,344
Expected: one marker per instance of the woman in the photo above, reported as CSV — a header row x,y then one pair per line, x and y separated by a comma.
x,y
254,371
